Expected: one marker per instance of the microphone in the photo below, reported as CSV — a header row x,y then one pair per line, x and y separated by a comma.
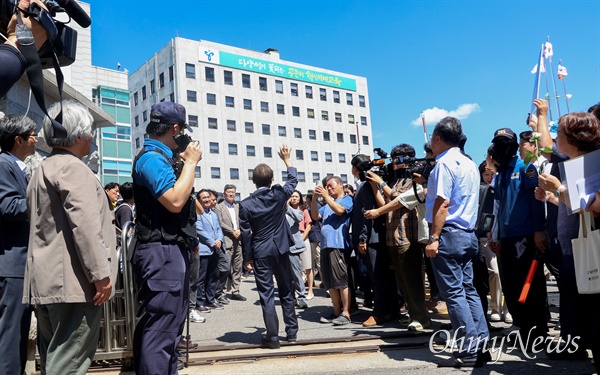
x,y
75,12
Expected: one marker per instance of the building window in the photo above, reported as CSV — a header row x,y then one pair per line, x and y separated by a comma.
x,y
172,97
250,173
228,77
340,137
312,134
353,138
323,94
215,172
211,98
143,93
326,136
246,81
281,130
363,120
229,101
248,104
342,158
284,175
191,96
170,74
161,80
324,115
294,89
250,151
328,157
301,177
145,116
231,125
338,117
249,127
361,101
190,71
264,107
268,152
314,156
280,109
212,123
262,83
137,143
344,178
232,148
234,173
135,98
299,155
336,96
197,172
365,140
308,90
266,129
279,87
137,121
296,111
297,133
348,98
152,87
193,121
351,119
209,74
213,147
316,177
310,113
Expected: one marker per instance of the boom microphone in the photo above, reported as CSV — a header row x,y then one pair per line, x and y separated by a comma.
x,y
75,12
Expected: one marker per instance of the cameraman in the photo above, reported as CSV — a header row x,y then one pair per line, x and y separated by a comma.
x,y
402,234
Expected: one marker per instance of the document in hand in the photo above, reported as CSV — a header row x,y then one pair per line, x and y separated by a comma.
x,y
581,176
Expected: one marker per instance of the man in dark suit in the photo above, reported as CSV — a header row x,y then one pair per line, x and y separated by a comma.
x,y
17,141
266,241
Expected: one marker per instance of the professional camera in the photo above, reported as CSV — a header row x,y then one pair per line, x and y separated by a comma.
x,y
420,166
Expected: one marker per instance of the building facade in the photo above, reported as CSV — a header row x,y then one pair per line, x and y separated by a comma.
x,y
244,104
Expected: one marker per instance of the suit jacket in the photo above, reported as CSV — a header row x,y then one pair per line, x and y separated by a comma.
x,y
14,224
227,223
72,241
209,231
363,229
265,232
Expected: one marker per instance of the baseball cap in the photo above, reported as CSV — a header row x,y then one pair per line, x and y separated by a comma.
x,y
168,113
506,133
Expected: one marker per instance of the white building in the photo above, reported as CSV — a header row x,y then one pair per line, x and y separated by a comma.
x,y
244,104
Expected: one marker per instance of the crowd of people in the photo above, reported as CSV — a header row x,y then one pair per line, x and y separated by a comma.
x,y
472,229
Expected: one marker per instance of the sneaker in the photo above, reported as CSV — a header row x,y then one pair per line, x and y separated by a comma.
x,y
238,297
223,300
508,318
404,320
495,317
203,309
341,320
302,304
310,296
440,308
417,326
328,319
196,318
215,306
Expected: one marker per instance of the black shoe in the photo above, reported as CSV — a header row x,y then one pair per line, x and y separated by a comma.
x,y
179,365
269,344
292,338
203,309
215,306
238,297
223,300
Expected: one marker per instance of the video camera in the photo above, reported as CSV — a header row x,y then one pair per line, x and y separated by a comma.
x,y
387,172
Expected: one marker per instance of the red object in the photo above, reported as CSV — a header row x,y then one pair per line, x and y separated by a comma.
x,y
529,279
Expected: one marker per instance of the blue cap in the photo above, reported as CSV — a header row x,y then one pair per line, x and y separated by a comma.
x,y
506,133
168,113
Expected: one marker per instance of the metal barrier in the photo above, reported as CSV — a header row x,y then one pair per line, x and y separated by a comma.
x,y
118,320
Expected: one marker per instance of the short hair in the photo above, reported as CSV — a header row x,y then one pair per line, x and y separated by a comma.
x,y
229,186
595,110
403,149
111,185
449,130
582,130
213,193
427,147
262,175
12,126
361,162
76,119
325,180
202,191
526,135
126,191
158,129
334,178
349,187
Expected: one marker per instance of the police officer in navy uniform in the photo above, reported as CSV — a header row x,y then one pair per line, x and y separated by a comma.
x,y
166,234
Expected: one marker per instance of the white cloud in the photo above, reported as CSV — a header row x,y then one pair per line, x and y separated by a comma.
x,y
435,114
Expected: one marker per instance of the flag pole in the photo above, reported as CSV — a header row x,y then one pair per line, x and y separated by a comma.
x,y
553,79
424,127
564,88
536,81
357,137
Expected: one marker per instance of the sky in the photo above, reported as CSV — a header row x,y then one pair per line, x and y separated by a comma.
x,y
468,59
